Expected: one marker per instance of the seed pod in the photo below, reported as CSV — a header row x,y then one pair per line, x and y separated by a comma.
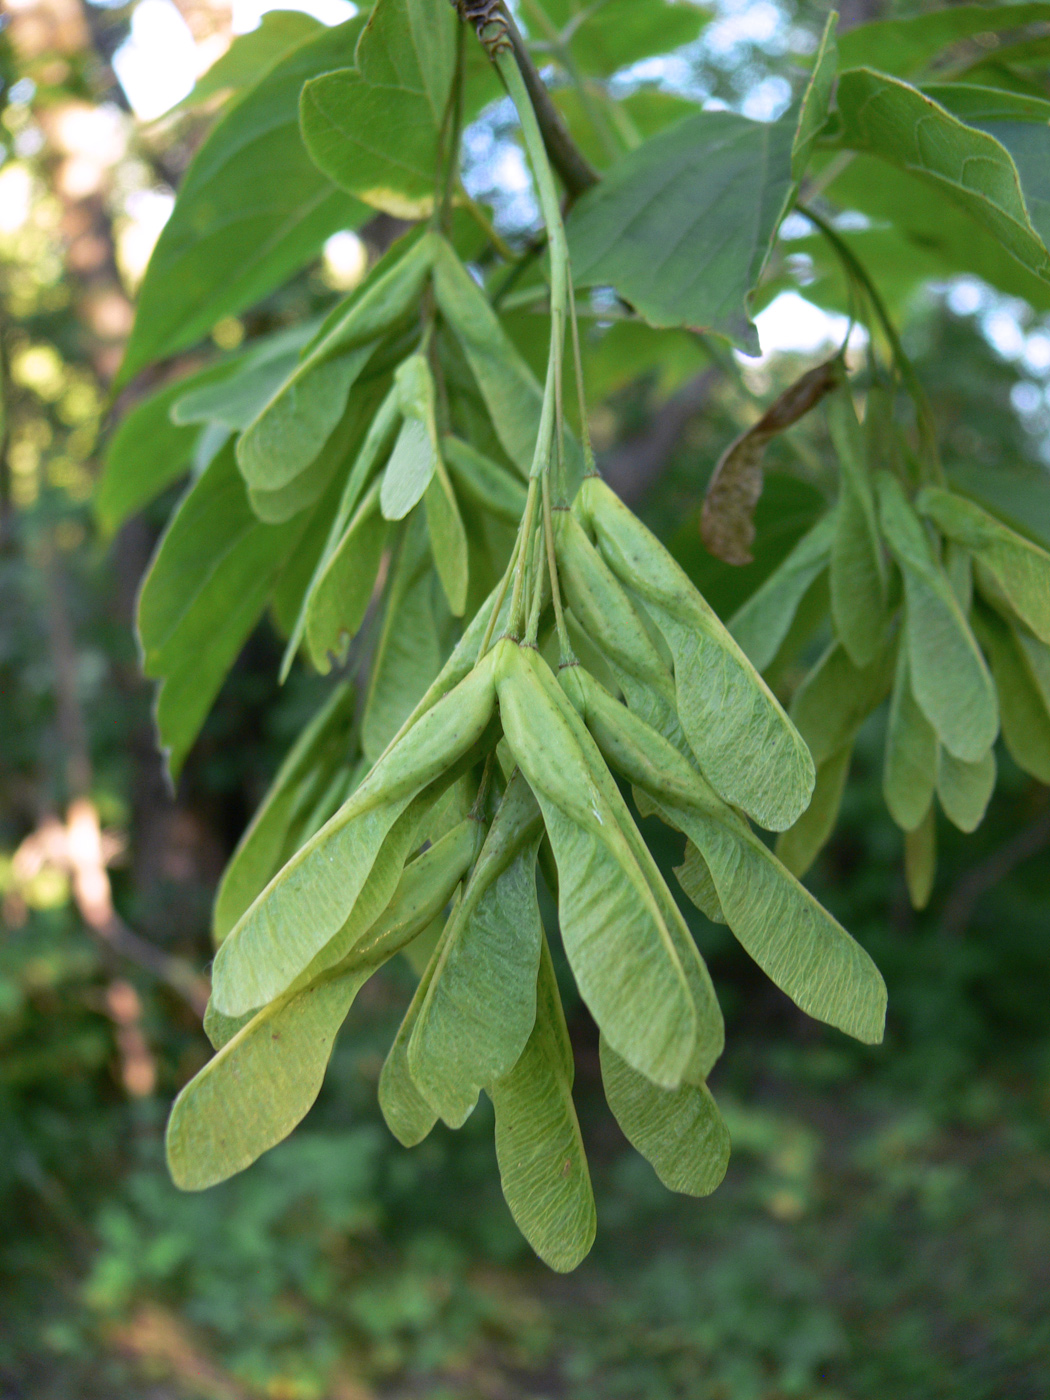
x,y
1021,568
257,857
413,640
260,1084
480,1006
618,945
920,859
793,939
710,1029
267,1075
486,483
949,677
694,876
909,771
798,847
375,447
338,602
448,540
542,1163
747,747
407,1113
307,903
1021,667
290,431
610,621
965,789
859,583
764,621
836,698
679,1131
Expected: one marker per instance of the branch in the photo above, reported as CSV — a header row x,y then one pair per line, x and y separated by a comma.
x,y
576,172
495,28
984,877
633,467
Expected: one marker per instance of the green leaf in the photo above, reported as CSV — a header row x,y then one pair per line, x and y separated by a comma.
x,y
448,540
291,429
617,33
949,677
617,942
679,1131
816,100
919,233
235,399
324,741
148,451
542,1163
965,789
907,128
338,601
799,846
1018,123
836,698
858,569
480,1007
206,588
375,129
302,491
409,652
906,46
251,56
761,625
1020,568
307,903
909,772
920,859
655,226
252,209
259,1086
1021,667
746,746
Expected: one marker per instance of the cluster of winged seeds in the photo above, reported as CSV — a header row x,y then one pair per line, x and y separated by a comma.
x,y
935,604
593,660
589,661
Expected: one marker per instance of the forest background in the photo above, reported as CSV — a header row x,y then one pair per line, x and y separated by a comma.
x,y
883,1229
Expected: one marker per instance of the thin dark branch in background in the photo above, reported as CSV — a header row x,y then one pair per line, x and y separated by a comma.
x,y
574,170
632,468
84,853
959,909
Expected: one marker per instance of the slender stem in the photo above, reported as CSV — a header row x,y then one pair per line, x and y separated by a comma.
x,y
590,467
500,244
521,562
535,607
450,131
564,644
857,269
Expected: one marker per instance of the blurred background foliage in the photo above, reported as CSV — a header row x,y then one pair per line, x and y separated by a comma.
x,y
883,1230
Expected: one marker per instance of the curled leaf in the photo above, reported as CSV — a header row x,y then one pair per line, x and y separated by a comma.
x,y
727,525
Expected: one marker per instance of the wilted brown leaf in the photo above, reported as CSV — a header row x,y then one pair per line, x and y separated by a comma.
x,y
727,520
